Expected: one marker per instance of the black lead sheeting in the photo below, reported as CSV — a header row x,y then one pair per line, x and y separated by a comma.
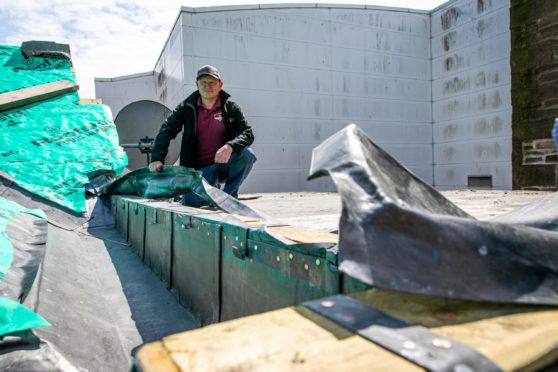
x,y
397,232
28,236
413,342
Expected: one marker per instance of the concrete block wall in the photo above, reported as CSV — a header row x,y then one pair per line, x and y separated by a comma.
x,y
471,93
302,72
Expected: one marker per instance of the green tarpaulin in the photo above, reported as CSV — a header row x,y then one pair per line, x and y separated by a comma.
x,y
50,147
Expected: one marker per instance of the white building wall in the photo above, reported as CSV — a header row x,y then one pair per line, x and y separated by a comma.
x,y
431,89
169,70
301,73
121,91
471,91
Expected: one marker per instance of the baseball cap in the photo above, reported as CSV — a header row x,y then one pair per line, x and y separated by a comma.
x,y
208,70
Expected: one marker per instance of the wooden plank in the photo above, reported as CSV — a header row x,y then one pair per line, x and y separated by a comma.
x,y
299,235
513,336
156,357
25,96
90,101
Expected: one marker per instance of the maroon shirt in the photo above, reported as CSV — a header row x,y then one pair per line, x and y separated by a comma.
x,y
210,134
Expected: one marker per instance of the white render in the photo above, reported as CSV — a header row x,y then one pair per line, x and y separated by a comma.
x,y
301,72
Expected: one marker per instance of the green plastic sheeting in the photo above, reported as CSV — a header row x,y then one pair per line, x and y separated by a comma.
x,y
18,72
50,147
14,316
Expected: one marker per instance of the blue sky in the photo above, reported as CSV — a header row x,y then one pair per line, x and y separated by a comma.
x,y
111,38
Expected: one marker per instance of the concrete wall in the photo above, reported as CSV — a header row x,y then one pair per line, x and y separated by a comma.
x,y
302,72
471,92
121,91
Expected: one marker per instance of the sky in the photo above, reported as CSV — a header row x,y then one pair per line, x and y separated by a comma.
x,y
110,38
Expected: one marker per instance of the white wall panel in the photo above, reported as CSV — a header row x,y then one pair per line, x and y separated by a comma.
x,y
471,92
455,175
302,73
473,128
433,90
117,93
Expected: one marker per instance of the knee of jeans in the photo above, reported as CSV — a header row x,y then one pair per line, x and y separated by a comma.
x,y
247,155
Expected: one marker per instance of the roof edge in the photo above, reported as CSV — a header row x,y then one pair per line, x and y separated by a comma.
x,y
223,8
124,77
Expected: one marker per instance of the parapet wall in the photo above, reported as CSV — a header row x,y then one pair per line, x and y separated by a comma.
x,y
221,266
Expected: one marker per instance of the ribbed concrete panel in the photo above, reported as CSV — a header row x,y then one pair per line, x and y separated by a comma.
x,y
284,156
471,92
361,109
454,14
488,150
453,63
476,79
473,128
480,102
456,175
361,61
281,104
284,24
314,131
302,73
361,85
404,22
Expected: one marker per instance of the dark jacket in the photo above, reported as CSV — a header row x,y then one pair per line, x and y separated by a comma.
x,y
185,117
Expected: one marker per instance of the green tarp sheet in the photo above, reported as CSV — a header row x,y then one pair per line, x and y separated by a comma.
x,y
50,147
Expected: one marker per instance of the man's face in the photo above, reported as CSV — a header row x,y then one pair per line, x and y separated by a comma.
x,y
209,87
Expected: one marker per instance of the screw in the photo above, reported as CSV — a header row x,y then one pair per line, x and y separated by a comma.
x,y
441,343
409,345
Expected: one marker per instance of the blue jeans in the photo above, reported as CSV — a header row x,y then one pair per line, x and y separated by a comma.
x,y
232,174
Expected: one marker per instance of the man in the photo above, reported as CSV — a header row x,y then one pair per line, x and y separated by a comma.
x,y
215,139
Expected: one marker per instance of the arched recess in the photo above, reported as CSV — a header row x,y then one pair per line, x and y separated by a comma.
x,y
141,119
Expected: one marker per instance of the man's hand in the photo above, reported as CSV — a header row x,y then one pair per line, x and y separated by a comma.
x,y
156,166
223,154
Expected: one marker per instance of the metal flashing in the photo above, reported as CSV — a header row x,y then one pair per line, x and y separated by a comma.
x,y
415,343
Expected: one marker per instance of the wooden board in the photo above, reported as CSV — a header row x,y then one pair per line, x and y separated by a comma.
x,y
514,337
25,96
299,235
90,101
